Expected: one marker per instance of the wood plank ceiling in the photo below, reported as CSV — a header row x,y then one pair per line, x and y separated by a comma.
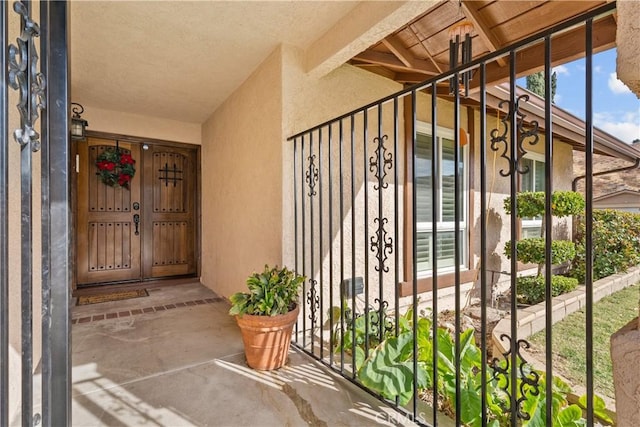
x,y
420,49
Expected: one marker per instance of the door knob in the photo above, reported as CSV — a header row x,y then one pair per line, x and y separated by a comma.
x,y
136,221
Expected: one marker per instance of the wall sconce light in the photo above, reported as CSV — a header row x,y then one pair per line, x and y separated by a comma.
x,y
78,124
460,53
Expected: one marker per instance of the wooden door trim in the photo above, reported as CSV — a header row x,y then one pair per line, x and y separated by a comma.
x,y
154,141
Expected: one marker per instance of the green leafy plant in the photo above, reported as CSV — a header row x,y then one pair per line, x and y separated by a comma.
x,y
531,289
532,249
616,243
274,291
389,371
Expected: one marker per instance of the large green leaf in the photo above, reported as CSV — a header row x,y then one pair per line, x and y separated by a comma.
x,y
389,369
599,407
571,416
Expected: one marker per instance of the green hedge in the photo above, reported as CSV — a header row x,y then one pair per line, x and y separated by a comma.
x,y
530,204
531,289
616,243
531,250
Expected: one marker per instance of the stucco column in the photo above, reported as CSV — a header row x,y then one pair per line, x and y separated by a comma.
x,y
625,343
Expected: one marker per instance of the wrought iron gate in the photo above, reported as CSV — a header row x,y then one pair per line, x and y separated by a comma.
x,y
384,214
35,75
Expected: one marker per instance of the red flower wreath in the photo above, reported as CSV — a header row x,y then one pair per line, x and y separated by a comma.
x,y
115,168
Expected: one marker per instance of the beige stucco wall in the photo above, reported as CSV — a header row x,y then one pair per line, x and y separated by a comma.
x,y
628,44
140,125
242,181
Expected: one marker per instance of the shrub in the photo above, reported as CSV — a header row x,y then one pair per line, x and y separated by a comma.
x,y
616,243
531,289
530,204
531,250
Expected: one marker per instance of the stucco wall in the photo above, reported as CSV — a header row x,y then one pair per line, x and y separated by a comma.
x,y
121,123
241,181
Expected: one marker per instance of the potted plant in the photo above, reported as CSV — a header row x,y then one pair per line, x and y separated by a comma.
x,y
266,315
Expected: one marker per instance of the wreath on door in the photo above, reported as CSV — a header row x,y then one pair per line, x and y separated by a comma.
x,y
115,168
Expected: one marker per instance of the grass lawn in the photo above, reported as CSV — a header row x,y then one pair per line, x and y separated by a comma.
x,y
609,315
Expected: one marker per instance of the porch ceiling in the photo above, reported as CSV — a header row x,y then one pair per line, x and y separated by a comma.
x,y
420,49
181,60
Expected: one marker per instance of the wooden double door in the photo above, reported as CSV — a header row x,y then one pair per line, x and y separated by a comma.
x,y
146,231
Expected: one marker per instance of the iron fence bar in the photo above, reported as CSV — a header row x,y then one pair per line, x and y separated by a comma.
x,y
312,242
414,233
60,202
589,216
329,150
396,260
602,10
435,207
365,182
321,236
304,245
483,242
548,180
353,247
514,229
342,296
45,171
381,241
26,251
4,220
456,244
295,216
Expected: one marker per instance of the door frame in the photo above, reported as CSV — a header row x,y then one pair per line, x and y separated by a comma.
x,y
137,140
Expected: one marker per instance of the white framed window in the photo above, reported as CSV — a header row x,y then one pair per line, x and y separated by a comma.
x,y
533,180
445,216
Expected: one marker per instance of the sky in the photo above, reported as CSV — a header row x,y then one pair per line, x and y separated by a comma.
x,y
616,109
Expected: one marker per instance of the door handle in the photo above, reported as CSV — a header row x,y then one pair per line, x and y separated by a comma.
x,y
136,221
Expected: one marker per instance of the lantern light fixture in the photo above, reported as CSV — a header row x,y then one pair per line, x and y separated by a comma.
x,y
78,124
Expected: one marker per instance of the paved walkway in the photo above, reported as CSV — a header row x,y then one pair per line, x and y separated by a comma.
x,y
175,358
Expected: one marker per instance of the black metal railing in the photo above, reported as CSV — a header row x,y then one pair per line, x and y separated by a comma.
x,y
391,218
41,133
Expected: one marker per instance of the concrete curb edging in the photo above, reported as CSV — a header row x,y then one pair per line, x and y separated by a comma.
x,y
532,319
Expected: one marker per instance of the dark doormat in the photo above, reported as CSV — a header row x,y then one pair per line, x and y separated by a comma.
x,y
113,296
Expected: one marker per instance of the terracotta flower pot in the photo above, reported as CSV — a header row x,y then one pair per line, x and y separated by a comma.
x,y
267,339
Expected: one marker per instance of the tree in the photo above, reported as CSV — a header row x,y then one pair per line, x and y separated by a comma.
x,y
535,83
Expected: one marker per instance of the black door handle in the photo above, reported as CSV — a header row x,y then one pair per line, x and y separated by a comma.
x,y
136,221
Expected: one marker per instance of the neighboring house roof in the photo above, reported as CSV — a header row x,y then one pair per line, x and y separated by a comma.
x,y
609,184
617,194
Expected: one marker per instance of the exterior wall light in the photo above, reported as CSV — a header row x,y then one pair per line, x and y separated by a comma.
x,y
78,124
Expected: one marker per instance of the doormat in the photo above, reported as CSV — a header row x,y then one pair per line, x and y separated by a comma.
x,y
113,296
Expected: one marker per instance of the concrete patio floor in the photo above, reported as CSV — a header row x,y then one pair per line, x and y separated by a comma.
x,y
175,358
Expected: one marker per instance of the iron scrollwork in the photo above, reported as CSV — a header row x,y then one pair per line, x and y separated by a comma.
x,y
380,156
25,78
312,175
523,135
387,324
528,378
382,245
379,164
313,299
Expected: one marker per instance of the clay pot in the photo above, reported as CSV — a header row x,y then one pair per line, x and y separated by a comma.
x,y
267,339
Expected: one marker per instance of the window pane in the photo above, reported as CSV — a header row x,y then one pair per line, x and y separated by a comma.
x,y
424,153
539,176
446,250
448,181
531,232
527,183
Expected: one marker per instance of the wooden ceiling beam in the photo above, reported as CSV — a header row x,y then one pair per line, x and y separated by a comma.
x,y
426,50
395,46
564,48
390,60
483,29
